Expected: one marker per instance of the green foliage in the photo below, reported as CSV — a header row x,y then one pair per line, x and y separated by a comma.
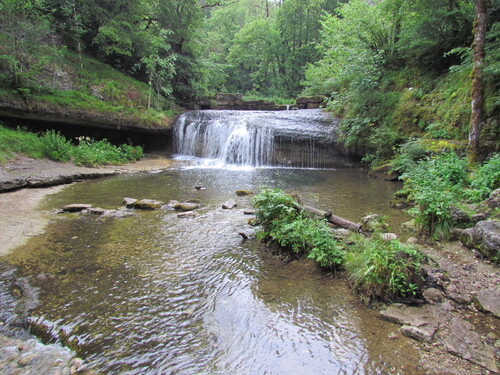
x,y
377,268
285,224
487,177
433,184
55,146
409,153
93,153
19,141
384,269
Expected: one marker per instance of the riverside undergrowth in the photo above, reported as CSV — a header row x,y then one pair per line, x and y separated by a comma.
x,y
376,268
437,182
54,146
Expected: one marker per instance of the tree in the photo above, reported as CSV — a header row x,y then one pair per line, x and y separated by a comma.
x,y
24,31
477,104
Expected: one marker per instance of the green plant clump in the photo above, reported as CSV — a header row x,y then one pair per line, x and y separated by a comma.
x,y
282,222
379,268
53,145
93,153
433,184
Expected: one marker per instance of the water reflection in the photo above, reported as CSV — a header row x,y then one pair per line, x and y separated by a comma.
x,y
155,294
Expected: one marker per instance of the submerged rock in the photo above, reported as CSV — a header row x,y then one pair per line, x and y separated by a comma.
x,y
186,214
148,204
230,204
186,206
97,211
242,193
77,207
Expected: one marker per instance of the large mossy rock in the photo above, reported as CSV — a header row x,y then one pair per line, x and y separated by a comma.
x,y
484,236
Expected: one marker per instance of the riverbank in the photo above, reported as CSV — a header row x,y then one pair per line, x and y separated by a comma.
x,y
26,182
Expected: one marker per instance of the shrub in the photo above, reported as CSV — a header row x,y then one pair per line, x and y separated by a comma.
x,y
284,223
92,153
409,154
487,177
384,269
433,184
55,146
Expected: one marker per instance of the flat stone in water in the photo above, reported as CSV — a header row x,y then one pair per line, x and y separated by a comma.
x,y
76,207
186,206
148,204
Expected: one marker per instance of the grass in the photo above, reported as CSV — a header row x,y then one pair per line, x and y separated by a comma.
x,y
97,90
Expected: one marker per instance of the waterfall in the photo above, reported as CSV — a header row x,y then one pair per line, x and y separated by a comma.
x,y
303,138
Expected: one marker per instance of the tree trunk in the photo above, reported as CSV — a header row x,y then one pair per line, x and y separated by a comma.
x,y
477,107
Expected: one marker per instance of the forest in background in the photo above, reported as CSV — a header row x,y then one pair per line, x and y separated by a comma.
x,y
392,69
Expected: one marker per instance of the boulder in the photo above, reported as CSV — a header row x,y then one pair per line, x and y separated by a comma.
x,y
463,342
148,204
488,300
186,206
194,200
77,207
459,216
493,200
310,102
230,204
242,193
129,202
249,212
484,236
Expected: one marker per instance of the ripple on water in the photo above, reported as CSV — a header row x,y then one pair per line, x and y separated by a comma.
x,y
153,293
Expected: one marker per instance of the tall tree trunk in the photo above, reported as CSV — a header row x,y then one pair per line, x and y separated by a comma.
x,y
477,113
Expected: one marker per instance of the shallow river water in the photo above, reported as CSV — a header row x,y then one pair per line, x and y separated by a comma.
x,y
152,293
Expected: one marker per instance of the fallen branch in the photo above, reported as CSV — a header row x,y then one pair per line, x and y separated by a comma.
x,y
335,220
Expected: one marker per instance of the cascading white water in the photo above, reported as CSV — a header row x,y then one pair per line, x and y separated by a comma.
x,y
304,138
